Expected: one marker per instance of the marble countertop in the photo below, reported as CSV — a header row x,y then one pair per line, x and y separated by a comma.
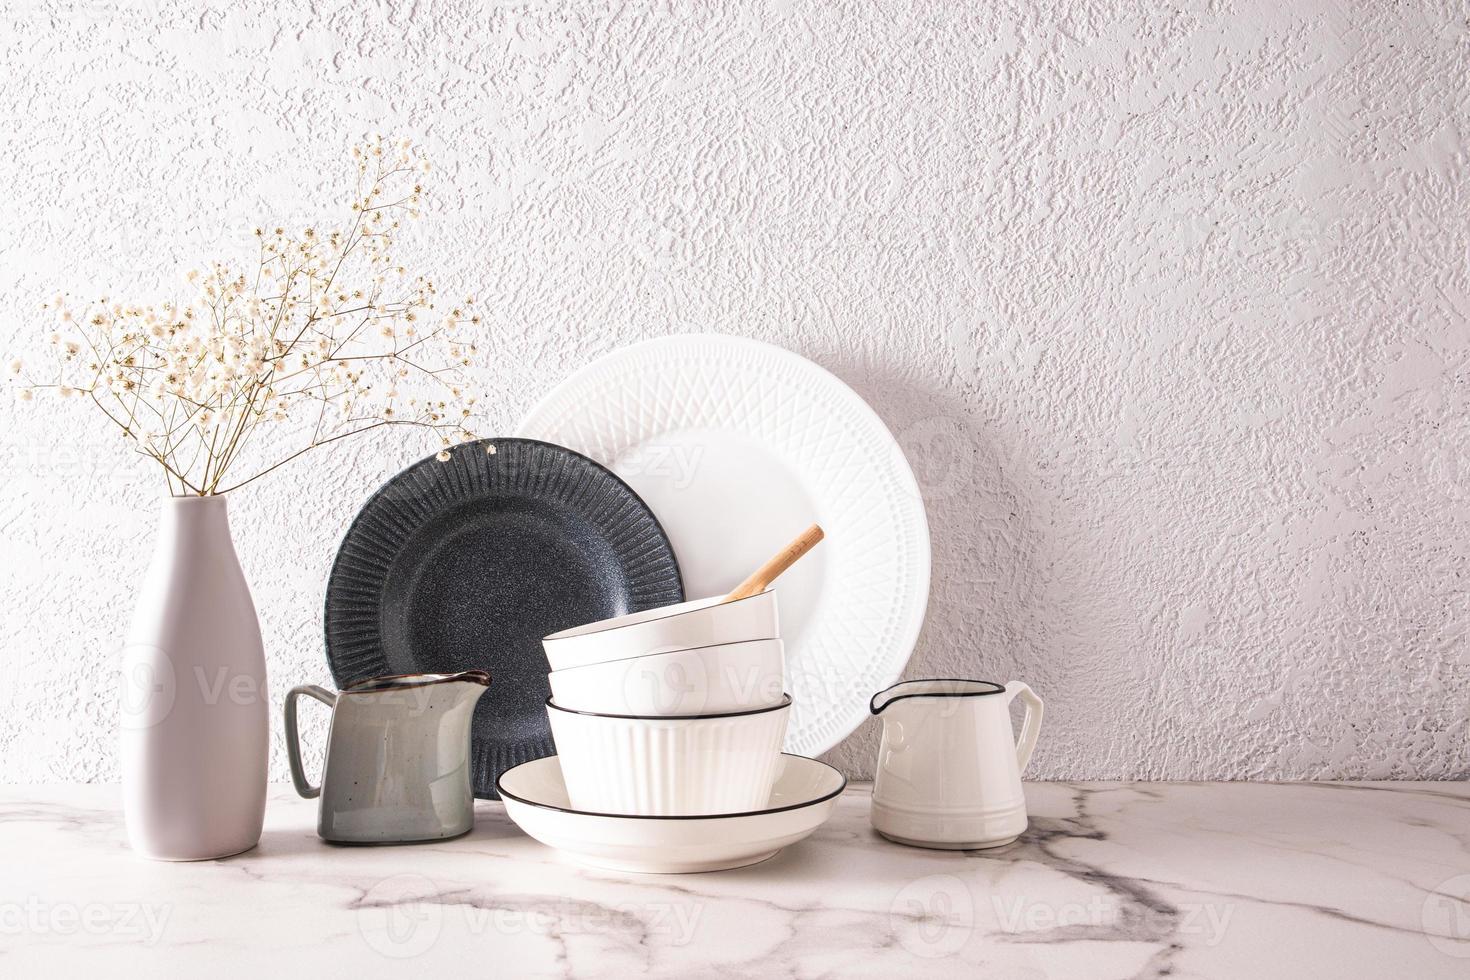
x,y
1242,880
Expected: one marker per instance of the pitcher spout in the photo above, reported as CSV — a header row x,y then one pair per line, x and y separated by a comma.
x,y
421,694
941,687
470,684
473,680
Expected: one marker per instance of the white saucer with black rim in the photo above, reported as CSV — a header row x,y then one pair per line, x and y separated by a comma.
x,y
535,798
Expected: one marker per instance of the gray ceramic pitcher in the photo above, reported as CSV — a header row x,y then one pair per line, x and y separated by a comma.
x,y
398,758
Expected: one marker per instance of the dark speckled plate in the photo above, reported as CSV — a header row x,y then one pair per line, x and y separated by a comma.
x,y
467,564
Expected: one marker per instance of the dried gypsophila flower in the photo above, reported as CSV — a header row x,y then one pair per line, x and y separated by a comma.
x,y
322,331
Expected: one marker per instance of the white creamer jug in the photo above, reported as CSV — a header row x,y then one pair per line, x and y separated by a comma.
x,y
949,768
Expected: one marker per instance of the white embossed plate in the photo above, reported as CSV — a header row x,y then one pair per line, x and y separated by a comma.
x,y
737,446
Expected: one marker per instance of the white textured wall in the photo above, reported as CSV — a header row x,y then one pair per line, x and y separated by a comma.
x,y
1168,307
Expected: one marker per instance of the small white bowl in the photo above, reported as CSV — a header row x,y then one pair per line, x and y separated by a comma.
x,y
698,623
802,799
654,766
705,680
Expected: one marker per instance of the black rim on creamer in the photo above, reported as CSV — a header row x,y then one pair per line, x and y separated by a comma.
x,y
991,687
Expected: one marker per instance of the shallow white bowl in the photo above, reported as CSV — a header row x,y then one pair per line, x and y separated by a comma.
x,y
697,623
704,680
657,766
801,800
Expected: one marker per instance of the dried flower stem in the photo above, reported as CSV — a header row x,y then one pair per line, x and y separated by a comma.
x,y
189,386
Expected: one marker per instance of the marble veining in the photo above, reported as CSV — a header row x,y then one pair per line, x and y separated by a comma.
x,y
1111,880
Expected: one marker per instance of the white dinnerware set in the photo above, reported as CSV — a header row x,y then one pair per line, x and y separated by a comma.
x,y
668,726
683,731
682,742
672,712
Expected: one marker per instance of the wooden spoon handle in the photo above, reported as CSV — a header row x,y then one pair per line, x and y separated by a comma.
x,y
783,560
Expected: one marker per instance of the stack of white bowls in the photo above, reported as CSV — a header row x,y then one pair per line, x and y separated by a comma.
x,y
675,711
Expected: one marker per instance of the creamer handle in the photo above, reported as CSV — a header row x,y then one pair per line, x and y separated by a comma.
x,y
1030,725
293,737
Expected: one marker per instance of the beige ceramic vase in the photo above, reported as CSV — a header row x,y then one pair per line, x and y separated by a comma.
x,y
194,722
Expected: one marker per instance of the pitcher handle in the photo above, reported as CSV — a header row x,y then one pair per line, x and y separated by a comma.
x,y
293,736
1030,725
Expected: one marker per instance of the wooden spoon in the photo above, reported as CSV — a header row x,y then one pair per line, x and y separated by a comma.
x,y
781,561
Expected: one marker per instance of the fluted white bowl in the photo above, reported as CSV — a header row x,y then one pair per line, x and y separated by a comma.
x,y
661,766
697,623
705,680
